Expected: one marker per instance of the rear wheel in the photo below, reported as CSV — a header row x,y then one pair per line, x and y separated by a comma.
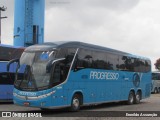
x,y
131,98
75,103
137,98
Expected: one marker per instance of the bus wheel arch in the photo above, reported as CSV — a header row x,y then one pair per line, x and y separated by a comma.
x,y
76,101
131,97
138,97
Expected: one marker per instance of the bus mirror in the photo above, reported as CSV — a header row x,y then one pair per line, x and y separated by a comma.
x,y
10,62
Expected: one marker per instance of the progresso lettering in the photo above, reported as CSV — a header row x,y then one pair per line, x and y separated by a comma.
x,y
104,75
27,93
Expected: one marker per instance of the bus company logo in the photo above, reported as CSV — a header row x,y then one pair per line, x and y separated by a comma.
x,y
27,93
136,80
104,75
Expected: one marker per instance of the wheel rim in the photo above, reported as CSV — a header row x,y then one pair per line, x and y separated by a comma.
x,y
138,97
76,103
155,90
131,98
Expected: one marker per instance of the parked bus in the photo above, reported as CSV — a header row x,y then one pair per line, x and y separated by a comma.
x,y
72,74
155,82
7,53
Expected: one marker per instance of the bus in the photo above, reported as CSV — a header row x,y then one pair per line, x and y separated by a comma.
x,y
7,53
75,74
155,82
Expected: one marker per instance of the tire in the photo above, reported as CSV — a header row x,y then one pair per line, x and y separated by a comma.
x,y
155,90
137,98
131,98
75,103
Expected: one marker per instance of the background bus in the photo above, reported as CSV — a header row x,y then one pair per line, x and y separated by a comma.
x,y
7,53
155,82
72,74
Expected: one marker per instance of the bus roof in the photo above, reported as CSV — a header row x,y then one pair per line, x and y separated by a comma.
x,y
9,46
60,44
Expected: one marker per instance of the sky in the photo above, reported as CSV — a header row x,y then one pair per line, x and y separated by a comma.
x,y
131,26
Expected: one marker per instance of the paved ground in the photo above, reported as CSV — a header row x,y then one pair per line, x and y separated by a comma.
x,y
149,106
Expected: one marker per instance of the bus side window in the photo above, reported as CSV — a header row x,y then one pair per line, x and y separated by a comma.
x,y
84,59
56,74
60,72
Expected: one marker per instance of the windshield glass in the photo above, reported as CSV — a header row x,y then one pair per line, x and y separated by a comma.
x,y
155,76
33,72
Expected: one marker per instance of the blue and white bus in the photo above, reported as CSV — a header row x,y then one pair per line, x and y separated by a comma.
x,y
155,82
8,53
73,74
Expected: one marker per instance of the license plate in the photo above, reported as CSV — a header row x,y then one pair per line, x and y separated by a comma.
x,y
26,103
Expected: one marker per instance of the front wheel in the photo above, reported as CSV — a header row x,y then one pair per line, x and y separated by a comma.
x,y
75,103
131,98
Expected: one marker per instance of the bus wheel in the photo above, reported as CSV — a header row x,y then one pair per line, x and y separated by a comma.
x,y
155,90
75,103
131,98
137,98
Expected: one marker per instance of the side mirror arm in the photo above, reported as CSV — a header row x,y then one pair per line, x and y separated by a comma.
x,y
10,62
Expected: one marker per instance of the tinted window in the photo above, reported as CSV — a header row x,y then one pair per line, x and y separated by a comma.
x,y
112,61
63,52
84,59
142,65
68,54
7,53
155,76
109,61
99,60
6,78
126,63
147,66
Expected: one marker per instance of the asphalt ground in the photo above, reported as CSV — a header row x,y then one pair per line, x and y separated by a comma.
x,y
148,109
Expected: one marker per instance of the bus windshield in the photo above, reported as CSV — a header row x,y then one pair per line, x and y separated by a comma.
x,y
155,76
33,72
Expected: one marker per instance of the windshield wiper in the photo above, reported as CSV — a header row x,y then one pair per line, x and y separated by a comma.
x,y
27,75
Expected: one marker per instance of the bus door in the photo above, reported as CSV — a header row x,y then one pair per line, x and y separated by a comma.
x,y
59,75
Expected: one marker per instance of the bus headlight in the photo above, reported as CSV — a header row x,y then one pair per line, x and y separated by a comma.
x,y
33,97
